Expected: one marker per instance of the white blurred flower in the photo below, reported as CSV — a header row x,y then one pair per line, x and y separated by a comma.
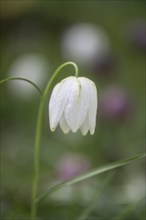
x,y
73,105
84,42
30,66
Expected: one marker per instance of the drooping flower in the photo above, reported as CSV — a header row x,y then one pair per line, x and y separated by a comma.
x,y
73,105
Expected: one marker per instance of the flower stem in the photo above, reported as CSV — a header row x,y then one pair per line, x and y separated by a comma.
x,y
22,79
36,157
38,136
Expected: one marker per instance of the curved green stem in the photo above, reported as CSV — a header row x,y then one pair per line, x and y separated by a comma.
x,y
56,74
38,135
22,79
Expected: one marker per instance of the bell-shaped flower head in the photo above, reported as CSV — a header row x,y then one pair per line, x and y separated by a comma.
x,y
73,105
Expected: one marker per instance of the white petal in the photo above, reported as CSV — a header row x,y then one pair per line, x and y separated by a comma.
x,y
85,126
57,102
64,126
92,91
76,106
71,108
53,112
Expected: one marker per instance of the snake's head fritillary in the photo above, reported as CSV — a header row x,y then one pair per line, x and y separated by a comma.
x,y
73,105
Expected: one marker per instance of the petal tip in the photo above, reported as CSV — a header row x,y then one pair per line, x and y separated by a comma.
x,y
52,129
92,132
65,132
84,134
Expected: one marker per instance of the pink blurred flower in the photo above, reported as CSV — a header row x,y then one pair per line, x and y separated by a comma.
x,y
136,33
115,103
71,165
105,65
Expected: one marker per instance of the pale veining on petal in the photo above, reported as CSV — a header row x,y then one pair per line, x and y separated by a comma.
x,y
63,125
71,107
85,126
53,109
92,111
77,106
57,101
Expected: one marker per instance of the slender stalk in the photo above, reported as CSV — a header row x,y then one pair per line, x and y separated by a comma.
x,y
36,157
38,136
22,79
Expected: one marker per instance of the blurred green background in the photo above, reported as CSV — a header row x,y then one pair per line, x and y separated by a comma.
x,y
32,41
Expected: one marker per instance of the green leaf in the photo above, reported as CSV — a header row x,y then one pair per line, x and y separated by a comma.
x,y
22,79
92,173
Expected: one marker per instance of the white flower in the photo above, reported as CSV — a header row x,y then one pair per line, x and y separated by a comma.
x,y
85,42
31,66
73,105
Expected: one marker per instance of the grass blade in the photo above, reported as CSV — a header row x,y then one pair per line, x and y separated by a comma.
x,y
92,173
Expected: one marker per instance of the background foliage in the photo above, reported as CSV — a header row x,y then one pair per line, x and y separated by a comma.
x,y
37,27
